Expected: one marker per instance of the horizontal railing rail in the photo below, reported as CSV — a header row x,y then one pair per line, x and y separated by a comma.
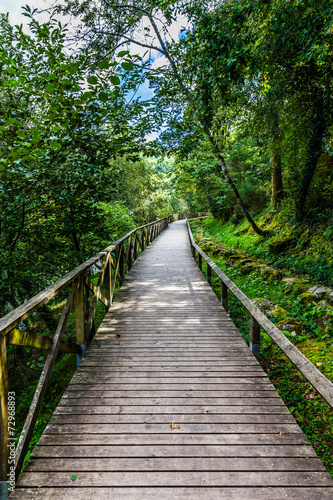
x,y
259,320
115,261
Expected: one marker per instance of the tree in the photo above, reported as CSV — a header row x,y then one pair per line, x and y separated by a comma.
x,y
115,24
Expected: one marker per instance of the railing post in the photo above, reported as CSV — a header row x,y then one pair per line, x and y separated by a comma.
x,y
80,318
193,251
209,274
4,434
255,338
108,282
121,264
224,295
200,261
80,313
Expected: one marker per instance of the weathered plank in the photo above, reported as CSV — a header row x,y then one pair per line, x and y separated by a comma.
x,y
190,493
175,463
175,478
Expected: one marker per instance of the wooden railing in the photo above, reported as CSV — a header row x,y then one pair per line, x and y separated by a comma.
x,y
115,260
259,320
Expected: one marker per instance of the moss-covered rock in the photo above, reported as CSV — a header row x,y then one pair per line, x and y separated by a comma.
x,y
330,298
280,313
320,292
270,273
266,306
249,267
307,298
290,325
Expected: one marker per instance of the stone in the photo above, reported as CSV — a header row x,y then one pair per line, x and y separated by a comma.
x,y
248,268
325,305
330,298
266,306
279,312
307,297
270,272
320,292
290,325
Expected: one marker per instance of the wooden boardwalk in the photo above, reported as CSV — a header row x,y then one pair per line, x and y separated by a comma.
x,y
166,353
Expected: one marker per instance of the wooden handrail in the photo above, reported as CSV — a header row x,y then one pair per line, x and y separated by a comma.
x,y
113,269
8,322
258,319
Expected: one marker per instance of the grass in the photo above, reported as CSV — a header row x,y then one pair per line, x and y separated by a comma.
x,y
312,413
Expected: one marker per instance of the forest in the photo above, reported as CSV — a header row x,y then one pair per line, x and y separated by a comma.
x,y
238,123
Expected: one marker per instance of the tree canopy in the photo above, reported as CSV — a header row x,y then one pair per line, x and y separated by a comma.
x,y
241,119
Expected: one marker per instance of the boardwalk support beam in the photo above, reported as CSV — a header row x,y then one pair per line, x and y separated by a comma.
x,y
224,295
255,338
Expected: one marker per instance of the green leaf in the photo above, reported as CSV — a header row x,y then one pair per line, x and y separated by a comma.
x,y
123,53
103,96
73,69
104,64
92,80
50,87
11,70
127,66
73,477
115,80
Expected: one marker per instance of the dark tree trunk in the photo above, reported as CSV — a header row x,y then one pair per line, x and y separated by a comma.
x,y
277,186
210,136
314,152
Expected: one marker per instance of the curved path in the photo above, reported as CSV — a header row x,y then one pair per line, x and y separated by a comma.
x,y
167,353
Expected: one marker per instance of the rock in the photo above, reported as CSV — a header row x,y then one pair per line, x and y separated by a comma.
x,y
236,258
228,253
320,292
325,305
298,285
279,312
289,281
248,268
266,306
270,272
290,325
330,298
307,297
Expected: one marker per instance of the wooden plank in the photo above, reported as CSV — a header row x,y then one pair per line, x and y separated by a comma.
x,y
23,338
175,463
154,410
174,478
80,313
178,493
102,441
161,418
165,428
93,288
164,401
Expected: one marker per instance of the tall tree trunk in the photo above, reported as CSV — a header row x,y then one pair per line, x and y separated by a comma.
x,y
314,152
277,185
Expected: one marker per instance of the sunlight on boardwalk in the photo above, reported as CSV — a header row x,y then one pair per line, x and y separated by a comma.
x,y
167,353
